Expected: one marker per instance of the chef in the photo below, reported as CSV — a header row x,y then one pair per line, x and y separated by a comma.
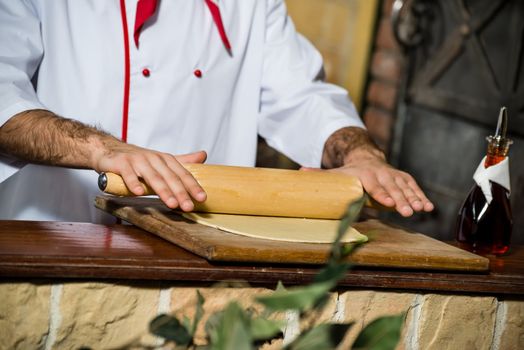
x,y
140,87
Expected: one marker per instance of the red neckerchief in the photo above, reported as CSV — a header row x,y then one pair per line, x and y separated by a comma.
x,y
146,8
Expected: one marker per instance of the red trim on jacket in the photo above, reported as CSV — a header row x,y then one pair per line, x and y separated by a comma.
x,y
144,10
217,18
127,77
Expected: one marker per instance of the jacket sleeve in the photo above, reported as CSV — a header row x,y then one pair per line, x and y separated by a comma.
x,y
20,54
298,111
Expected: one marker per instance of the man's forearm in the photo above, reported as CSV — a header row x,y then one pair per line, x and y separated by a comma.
x,y
40,136
348,145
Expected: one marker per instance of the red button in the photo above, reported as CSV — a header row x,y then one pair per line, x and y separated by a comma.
x,y
146,72
197,73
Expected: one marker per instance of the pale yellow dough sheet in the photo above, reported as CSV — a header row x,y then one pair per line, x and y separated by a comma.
x,y
277,228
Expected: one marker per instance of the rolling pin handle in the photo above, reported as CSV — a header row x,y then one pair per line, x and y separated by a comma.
x,y
102,181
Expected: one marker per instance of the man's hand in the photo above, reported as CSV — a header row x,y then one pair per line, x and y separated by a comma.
x,y
162,171
351,151
39,136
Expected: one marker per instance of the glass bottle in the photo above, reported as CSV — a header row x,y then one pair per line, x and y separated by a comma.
x,y
482,227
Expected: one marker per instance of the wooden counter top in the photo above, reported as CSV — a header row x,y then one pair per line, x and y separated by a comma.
x,y
88,251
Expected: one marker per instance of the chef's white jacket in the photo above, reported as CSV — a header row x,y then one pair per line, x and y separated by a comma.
x,y
69,57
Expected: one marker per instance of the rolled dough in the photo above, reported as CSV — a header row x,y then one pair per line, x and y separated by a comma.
x,y
277,228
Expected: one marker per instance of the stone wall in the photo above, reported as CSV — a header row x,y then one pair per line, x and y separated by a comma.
x,y
106,315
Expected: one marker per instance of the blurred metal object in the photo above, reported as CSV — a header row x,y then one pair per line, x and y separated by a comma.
x,y
405,22
502,124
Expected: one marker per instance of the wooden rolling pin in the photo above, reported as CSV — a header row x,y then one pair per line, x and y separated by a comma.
x,y
262,191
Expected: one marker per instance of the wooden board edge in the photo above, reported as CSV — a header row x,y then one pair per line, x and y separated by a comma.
x,y
132,216
465,265
129,213
475,263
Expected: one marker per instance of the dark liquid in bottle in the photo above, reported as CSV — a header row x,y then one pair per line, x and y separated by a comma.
x,y
485,228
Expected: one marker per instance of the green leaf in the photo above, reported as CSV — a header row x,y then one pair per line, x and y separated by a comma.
x,y
351,215
301,298
325,336
263,329
198,313
186,322
332,273
168,327
280,286
230,330
381,334
212,324
348,248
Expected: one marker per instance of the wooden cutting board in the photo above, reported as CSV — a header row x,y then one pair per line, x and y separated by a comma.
x,y
388,246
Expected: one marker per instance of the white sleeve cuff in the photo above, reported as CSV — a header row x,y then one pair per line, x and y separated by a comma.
x,y
18,107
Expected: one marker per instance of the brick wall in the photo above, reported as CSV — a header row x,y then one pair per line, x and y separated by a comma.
x,y
106,315
383,81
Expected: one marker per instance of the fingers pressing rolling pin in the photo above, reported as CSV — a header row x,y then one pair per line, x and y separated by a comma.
x,y
263,191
